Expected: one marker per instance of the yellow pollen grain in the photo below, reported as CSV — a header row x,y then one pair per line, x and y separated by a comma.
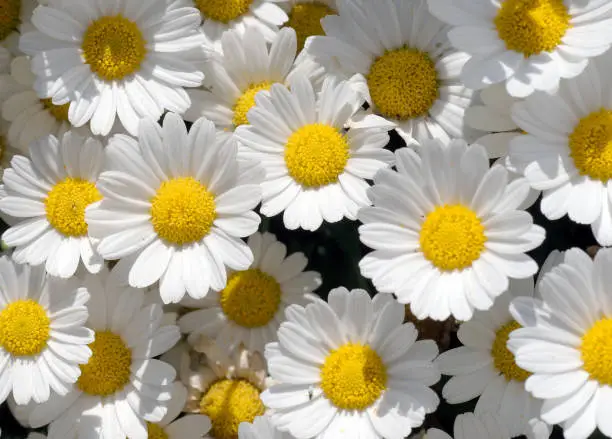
x,y
403,83
353,377
596,352
114,47
154,431
183,211
503,359
59,112
223,11
108,369
251,298
10,17
452,237
305,19
229,402
65,205
316,155
247,101
532,26
591,145
25,328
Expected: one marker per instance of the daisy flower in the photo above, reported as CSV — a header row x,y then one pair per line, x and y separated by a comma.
x,y
471,426
350,368
404,65
315,168
42,337
567,152
251,307
447,231
109,65
305,17
121,387
175,207
261,428
16,15
47,195
528,44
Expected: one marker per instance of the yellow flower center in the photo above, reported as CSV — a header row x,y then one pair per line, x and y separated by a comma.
x,y
316,155
229,402
247,101
452,237
183,211
108,369
114,47
305,19
591,145
532,26
223,10
251,298
66,202
24,328
596,350
59,112
154,431
503,359
353,377
10,17
403,83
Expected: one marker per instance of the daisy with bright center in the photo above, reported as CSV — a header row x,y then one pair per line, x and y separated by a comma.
x,y
247,101
591,145
10,17
24,328
223,11
596,352
305,19
503,359
59,112
154,431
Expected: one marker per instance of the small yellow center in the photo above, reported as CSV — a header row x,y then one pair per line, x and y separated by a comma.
x,y
591,145
532,26
452,237
503,359
24,328
59,112
223,10
247,101
66,202
596,350
316,155
154,431
228,403
10,17
183,211
114,47
251,298
305,19
108,369
403,83
353,377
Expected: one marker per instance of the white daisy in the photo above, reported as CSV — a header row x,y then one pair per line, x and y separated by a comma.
x,y
528,44
315,168
403,63
251,307
175,207
42,337
15,20
261,428
121,387
305,17
48,194
447,231
350,368
115,59
471,426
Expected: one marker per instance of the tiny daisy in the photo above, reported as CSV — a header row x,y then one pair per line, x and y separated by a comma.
x,y
528,44
16,15
315,168
261,428
121,387
305,17
471,426
251,307
109,65
42,337
47,195
402,62
447,230
350,368
175,207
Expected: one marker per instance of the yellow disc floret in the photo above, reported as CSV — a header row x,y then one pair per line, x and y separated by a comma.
x,y
108,369
403,83
452,237
182,211
596,351
503,359
154,431
532,26
223,10
66,202
305,19
316,155
591,145
247,101
24,328
229,402
59,112
10,17
353,377
114,47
